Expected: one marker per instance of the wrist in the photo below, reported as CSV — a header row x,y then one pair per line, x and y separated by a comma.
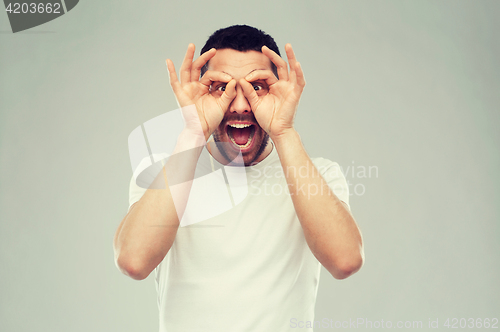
x,y
189,139
285,136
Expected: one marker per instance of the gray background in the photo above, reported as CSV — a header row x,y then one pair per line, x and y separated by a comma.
x,y
410,87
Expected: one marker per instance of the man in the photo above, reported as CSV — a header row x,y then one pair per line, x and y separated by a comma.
x,y
260,268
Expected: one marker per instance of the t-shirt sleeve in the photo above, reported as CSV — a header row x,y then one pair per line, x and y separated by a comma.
x,y
144,174
332,174
135,192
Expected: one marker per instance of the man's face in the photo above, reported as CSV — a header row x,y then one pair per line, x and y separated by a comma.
x,y
239,128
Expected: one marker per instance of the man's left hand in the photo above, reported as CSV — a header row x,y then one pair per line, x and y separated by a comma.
x,y
275,110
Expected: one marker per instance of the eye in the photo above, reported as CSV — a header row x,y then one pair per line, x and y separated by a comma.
x,y
257,87
218,88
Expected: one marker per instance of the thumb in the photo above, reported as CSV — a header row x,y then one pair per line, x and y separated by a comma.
x,y
250,94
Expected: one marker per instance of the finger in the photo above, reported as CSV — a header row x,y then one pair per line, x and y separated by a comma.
x,y
265,75
200,62
172,75
214,76
249,93
185,71
292,61
228,95
278,62
301,80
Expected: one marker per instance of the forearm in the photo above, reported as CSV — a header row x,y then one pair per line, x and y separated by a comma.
x,y
329,228
147,232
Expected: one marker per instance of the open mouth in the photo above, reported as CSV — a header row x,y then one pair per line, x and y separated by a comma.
x,y
241,134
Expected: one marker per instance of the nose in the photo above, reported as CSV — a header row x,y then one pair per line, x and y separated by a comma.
x,y
240,103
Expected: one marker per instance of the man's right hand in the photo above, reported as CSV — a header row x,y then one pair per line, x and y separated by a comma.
x,y
193,90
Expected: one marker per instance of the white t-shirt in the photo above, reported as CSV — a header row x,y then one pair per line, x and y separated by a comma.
x,y
247,269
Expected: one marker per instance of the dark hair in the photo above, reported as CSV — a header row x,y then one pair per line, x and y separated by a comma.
x,y
240,38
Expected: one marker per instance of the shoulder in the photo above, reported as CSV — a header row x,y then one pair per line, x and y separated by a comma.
x,y
333,175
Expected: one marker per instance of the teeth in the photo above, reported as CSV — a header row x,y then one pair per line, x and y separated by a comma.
x,y
239,125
